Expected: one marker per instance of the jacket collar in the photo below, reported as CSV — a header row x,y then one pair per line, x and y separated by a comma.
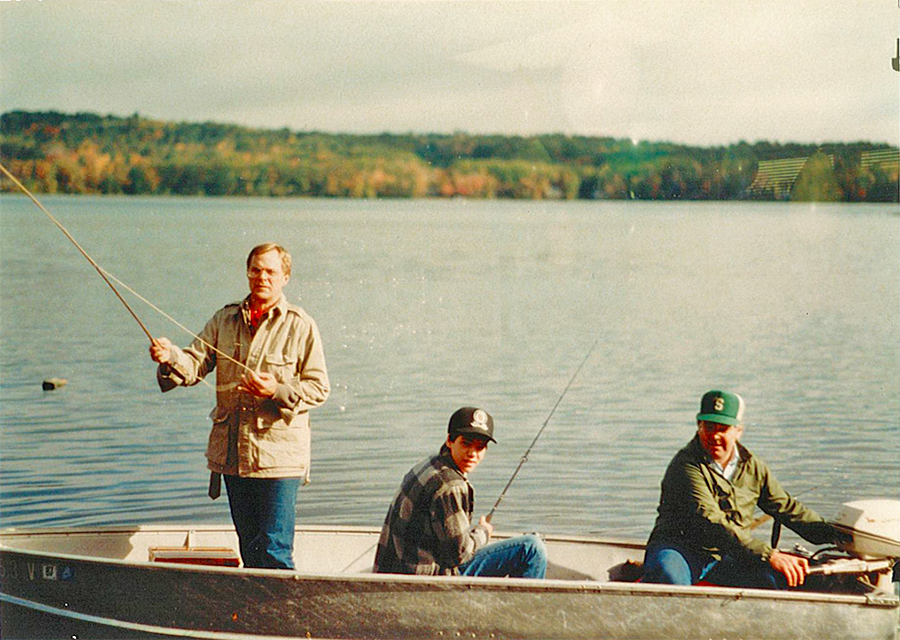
x,y
276,309
447,458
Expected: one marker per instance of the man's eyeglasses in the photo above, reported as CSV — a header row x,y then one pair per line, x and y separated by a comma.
x,y
254,272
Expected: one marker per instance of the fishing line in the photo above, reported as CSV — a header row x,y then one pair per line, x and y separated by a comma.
x,y
776,525
77,246
108,278
183,328
544,426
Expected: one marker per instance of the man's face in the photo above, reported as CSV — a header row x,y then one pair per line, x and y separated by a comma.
x,y
718,439
266,277
467,451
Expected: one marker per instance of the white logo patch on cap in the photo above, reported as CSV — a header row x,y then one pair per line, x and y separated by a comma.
x,y
479,420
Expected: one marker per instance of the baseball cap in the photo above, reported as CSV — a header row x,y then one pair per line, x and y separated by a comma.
x,y
471,421
721,407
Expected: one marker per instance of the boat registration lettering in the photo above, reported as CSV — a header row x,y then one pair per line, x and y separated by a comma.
x,y
9,570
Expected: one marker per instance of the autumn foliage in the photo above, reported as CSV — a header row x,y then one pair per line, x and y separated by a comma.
x,y
86,153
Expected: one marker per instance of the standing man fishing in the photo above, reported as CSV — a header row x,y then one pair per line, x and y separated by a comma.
x,y
270,373
428,529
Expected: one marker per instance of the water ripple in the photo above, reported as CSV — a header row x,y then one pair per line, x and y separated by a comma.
x,y
424,307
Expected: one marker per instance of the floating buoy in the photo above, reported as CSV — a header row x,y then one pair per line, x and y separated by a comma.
x,y
52,383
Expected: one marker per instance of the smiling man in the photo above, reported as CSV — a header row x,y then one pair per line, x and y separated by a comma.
x,y
428,529
270,371
709,494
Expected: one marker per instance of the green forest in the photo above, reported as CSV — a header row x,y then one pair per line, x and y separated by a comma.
x,y
86,153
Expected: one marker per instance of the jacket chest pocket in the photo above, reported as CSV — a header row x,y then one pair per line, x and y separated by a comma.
x,y
281,365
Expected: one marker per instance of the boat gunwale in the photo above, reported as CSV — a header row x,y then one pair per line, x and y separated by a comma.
x,y
886,600
16,532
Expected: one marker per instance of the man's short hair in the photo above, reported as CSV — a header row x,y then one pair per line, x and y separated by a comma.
x,y
271,246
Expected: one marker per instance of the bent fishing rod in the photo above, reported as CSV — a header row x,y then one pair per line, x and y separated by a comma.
x,y
544,426
107,277
77,246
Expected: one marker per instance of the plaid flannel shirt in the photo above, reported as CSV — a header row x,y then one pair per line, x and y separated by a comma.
x,y
428,526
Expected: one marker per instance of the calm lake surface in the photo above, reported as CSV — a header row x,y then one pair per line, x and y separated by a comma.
x,y
425,306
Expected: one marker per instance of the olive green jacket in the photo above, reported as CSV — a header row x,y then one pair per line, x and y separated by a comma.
x,y
255,437
701,510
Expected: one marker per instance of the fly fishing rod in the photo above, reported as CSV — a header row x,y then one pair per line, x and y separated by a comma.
x,y
544,426
77,246
108,278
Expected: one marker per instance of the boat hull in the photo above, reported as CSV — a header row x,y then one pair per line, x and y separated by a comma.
x,y
62,595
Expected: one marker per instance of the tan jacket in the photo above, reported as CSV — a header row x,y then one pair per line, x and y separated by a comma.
x,y
254,437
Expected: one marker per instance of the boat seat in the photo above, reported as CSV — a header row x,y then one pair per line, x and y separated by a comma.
x,y
629,571
213,556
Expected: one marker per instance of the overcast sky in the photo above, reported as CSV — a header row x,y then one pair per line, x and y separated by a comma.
x,y
683,70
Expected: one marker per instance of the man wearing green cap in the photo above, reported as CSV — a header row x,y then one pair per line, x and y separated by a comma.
x,y
428,529
709,493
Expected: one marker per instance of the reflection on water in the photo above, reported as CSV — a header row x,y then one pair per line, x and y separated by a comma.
x,y
428,305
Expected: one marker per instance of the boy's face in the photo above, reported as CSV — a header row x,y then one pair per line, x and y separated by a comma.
x,y
467,451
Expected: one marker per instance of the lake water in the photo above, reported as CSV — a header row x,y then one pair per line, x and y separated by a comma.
x,y
425,306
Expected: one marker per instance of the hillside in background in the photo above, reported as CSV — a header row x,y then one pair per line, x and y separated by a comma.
x,y
86,153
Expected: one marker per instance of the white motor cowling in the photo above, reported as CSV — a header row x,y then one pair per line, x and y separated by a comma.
x,y
873,527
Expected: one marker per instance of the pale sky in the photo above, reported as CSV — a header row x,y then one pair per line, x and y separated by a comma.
x,y
689,71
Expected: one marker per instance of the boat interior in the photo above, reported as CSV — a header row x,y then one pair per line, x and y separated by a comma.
x,y
321,550
344,550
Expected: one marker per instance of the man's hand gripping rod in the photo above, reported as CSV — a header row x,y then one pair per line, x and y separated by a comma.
x,y
544,426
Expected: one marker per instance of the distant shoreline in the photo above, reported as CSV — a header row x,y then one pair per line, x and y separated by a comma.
x,y
52,152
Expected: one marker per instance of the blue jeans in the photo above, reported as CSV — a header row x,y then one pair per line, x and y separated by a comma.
x,y
676,564
262,510
520,557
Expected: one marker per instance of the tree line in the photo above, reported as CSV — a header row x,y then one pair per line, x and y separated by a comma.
x,y
86,153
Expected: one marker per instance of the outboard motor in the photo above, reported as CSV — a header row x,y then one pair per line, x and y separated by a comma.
x,y
871,545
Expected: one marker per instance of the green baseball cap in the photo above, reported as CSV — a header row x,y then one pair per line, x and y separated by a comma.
x,y
721,407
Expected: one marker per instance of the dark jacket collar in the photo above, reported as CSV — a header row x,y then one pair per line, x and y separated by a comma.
x,y
447,458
